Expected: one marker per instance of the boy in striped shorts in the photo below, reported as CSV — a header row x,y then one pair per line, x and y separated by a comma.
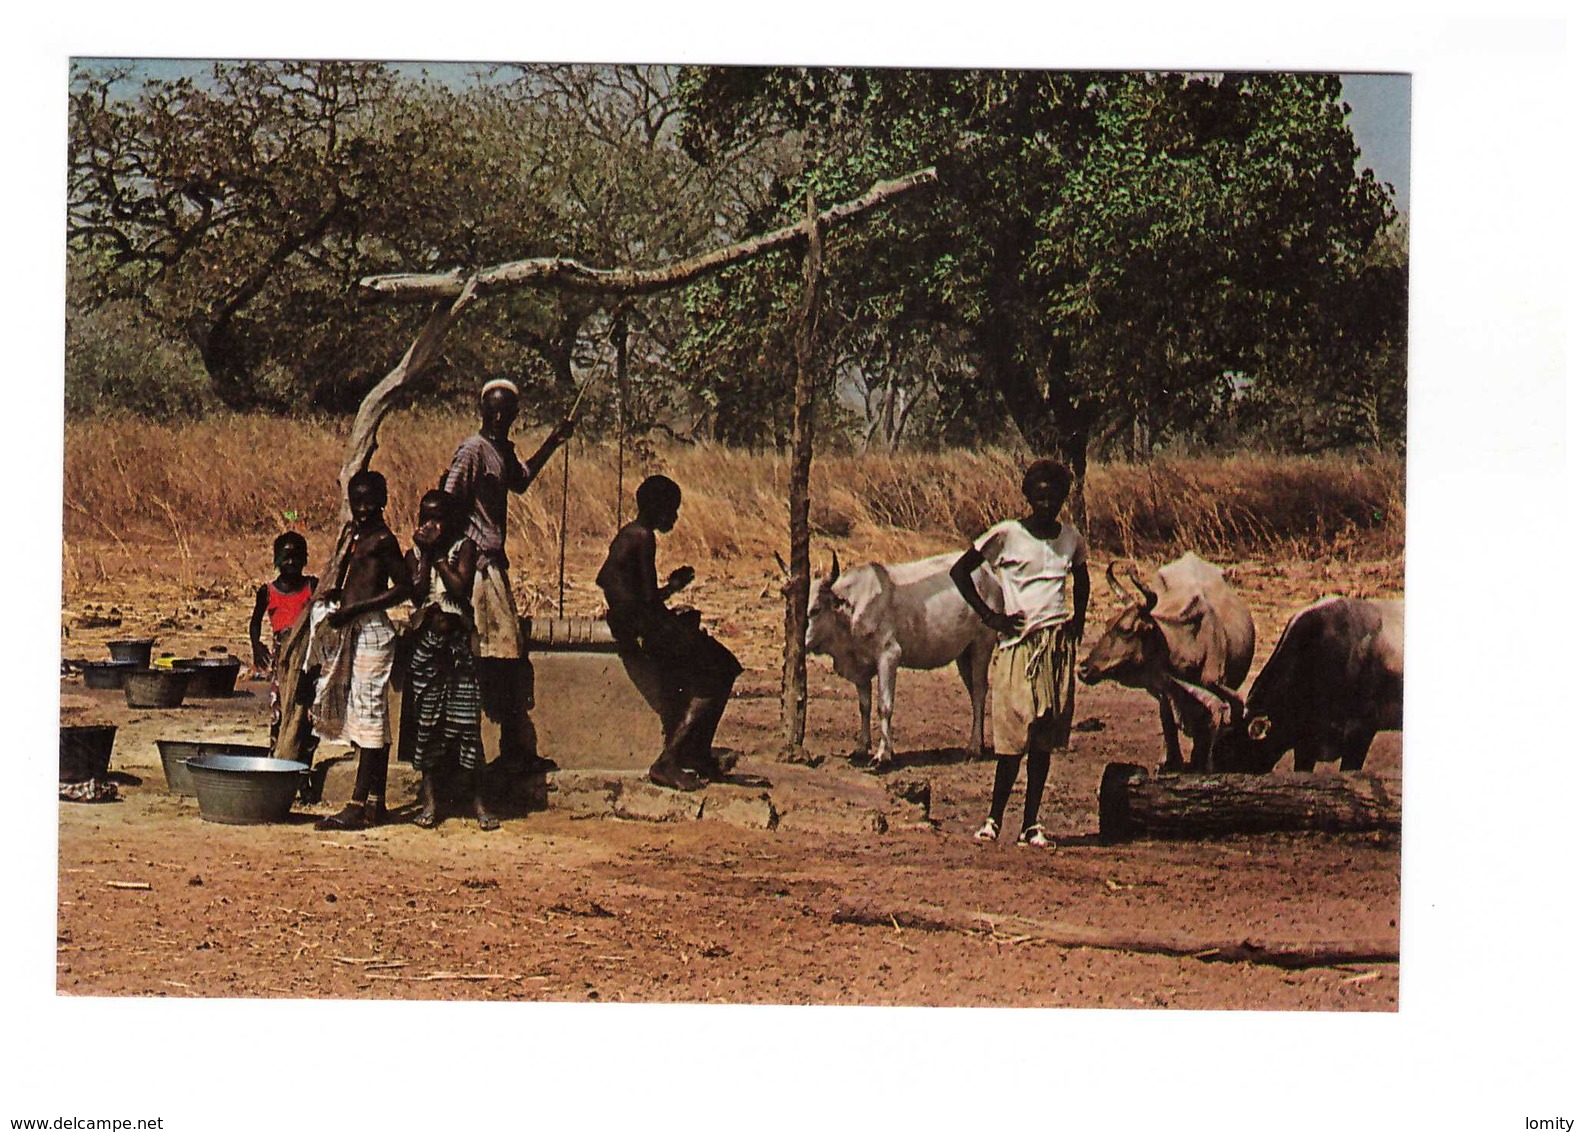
x,y
442,681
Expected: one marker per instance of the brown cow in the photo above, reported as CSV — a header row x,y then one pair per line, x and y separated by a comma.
x,y
1188,641
1335,679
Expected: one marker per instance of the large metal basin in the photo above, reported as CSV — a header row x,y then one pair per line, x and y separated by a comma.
x,y
174,754
245,790
103,674
85,752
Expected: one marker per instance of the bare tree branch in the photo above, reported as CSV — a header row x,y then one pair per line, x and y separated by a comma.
x,y
569,274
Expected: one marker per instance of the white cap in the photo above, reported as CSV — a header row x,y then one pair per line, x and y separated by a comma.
x,y
500,383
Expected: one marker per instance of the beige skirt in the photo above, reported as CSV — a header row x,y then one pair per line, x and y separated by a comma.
x,y
350,702
495,614
1032,685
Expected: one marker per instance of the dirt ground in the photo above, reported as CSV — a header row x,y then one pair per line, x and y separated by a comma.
x,y
558,906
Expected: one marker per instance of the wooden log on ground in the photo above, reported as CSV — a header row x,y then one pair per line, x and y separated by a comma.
x,y
1134,803
1291,953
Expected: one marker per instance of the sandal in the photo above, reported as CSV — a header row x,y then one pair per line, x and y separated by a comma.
x,y
989,831
1034,835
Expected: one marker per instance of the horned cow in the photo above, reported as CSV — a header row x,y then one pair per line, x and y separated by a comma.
x,y
1188,641
876,619
1334,680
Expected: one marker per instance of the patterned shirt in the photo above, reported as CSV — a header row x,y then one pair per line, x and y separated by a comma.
x,y
481,473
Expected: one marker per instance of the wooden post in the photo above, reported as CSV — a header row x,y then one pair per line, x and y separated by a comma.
x,y
794,666
1134,803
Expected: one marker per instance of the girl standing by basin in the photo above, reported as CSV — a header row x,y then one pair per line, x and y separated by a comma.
x,y
282,601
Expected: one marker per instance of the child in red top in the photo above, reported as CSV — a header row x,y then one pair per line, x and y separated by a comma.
x,y
283,600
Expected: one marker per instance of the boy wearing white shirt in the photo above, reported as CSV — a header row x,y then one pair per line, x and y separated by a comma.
x,y
1041,566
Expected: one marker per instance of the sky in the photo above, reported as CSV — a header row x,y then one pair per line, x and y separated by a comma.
x,y
1379,102
1380,121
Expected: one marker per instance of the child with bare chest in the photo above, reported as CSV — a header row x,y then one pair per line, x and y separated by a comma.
x,y
282,601
353,644
684,674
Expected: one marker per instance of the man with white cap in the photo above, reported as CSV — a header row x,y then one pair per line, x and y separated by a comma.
x,y
484,469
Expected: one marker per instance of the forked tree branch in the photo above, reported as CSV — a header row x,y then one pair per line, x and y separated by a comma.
x,y
570,275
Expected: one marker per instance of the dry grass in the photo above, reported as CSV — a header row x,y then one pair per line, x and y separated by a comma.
x,y
1295,506
226,486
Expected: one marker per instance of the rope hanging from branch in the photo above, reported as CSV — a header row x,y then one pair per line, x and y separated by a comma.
x,y
620,331
566,480
566,484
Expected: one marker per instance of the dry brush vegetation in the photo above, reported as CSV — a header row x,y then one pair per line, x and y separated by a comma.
x,y
197,503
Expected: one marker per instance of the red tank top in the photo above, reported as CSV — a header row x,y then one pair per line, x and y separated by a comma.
x,y
284,609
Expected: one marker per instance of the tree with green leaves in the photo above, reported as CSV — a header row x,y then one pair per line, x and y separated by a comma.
x,y
1106,244
232,213
612,188
229,207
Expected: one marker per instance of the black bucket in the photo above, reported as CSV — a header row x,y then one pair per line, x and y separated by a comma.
x,y
211,676
140,652
105,674
156,688
85,752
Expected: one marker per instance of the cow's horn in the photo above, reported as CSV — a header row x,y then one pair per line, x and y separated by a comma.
x,y
835,570
1234,703
1150,596
1116,586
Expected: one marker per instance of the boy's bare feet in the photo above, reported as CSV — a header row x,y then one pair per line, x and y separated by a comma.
x,y
486,819
428,815
713,767
674,777
352,816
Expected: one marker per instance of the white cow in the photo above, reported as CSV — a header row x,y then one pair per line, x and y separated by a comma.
x,y
877,619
